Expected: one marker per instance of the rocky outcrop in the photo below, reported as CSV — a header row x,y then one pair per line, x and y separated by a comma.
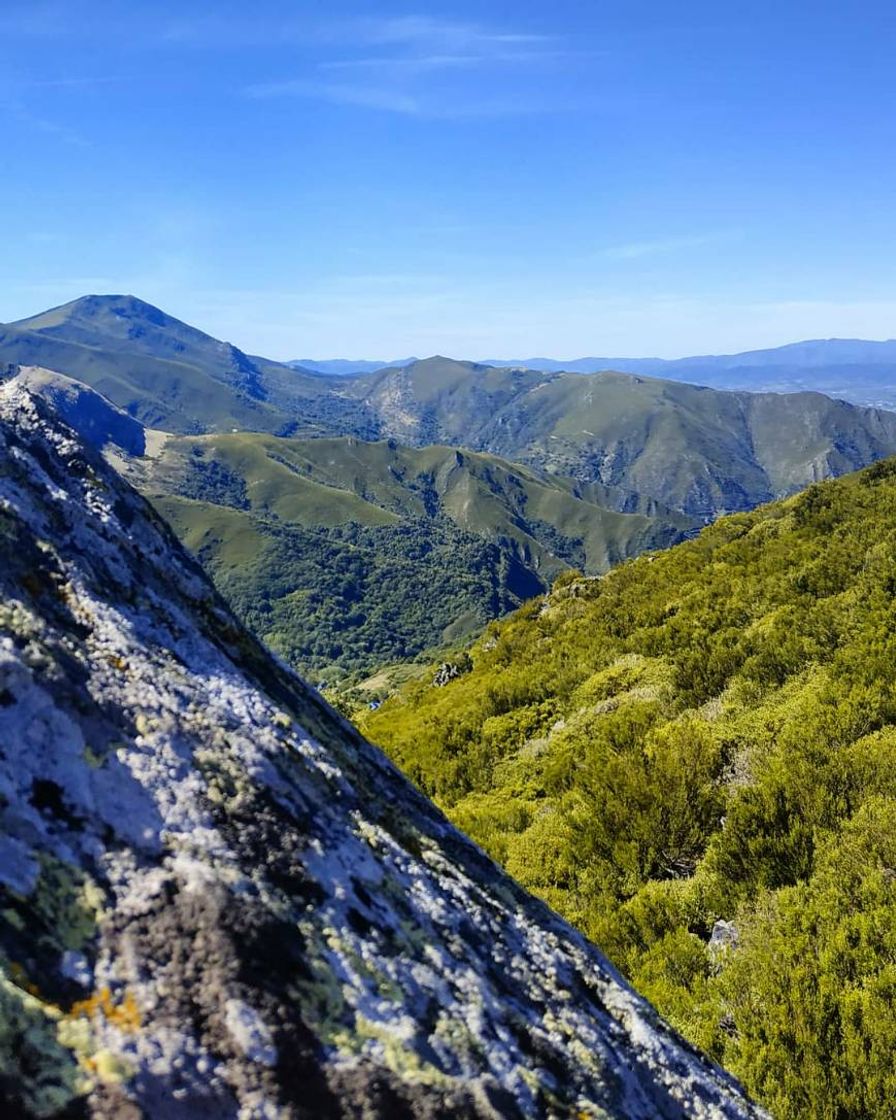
x,y
216,900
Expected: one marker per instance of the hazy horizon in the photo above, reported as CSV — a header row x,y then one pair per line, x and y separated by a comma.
x,y
509,357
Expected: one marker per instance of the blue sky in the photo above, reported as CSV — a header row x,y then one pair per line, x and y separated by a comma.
x,y
484,180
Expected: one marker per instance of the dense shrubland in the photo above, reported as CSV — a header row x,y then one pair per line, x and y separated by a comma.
x,y
707,735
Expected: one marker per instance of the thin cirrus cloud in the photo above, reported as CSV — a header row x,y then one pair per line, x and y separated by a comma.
x,y
429,104
409,33
343,93
443,34
412,68
636,250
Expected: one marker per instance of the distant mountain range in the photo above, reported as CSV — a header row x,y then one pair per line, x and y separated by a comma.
x,y
812,354
345,367
863,372
647,444
358,519
697,450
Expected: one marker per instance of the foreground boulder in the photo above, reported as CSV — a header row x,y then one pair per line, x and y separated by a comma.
x,y
216,900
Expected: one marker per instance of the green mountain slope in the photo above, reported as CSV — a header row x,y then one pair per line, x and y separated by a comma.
x,y
694,759
639,444
440,400
344,554
170,375
701,451
546,520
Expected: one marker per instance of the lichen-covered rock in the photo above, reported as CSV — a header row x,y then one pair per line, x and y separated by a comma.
x,y
216,900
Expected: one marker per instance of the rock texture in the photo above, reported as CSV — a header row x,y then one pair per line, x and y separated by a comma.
x,y
217,901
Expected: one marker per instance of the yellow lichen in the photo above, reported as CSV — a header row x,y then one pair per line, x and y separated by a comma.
x,y
124,1015
12,918
92,758
109,1067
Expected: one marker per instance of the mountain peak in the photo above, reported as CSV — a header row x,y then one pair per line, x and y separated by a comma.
x,y
102,311
217,899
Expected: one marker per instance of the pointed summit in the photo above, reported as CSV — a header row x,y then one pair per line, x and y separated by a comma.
x,y
159,369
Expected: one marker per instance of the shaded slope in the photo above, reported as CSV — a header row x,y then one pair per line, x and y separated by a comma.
x,y
692,758
218,900
170,375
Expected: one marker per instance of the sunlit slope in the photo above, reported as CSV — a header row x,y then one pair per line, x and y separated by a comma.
x,y
702,451
707,736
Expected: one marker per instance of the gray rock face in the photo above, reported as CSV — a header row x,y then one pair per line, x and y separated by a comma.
x,y
724,937
216,900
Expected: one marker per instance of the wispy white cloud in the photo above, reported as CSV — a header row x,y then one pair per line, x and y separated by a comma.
x,y
391,62
70,83
50,128
429,62
448,35
635,250
413,32
394,98
342,93
405,65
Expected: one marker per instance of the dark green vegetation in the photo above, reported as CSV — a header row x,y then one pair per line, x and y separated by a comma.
x,y
345,555
701,737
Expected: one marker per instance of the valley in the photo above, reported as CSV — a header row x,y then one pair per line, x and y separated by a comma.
x,y
358,520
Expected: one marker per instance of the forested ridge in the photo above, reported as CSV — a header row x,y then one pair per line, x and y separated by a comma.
x,y
693,758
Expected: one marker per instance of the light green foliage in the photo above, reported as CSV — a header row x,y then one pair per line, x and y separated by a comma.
x,y
706,734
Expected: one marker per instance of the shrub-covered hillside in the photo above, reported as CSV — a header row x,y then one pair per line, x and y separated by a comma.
x,y
694,759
